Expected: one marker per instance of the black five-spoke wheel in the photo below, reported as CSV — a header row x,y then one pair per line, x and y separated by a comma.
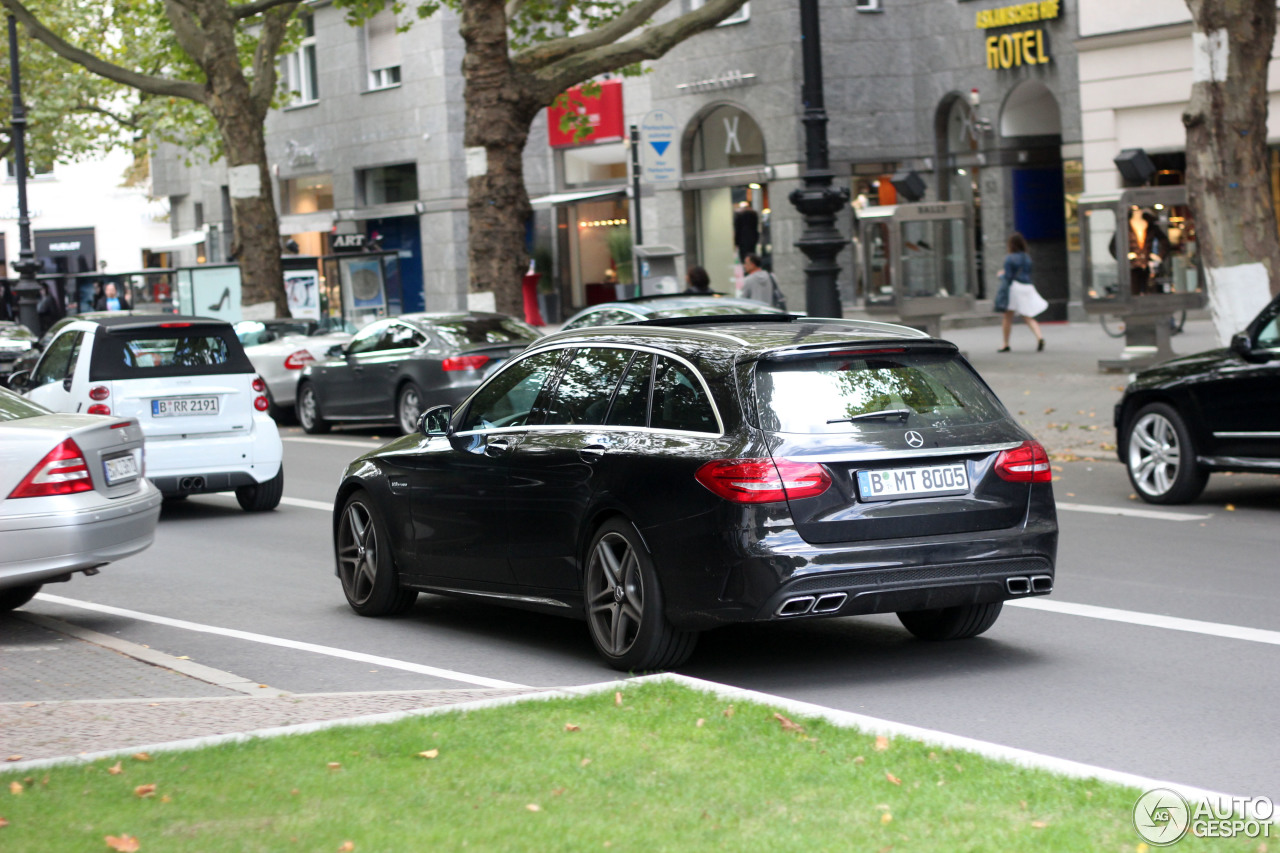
x,y
365,565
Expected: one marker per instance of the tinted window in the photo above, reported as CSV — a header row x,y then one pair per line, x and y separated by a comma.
x,y
679,401
1269,337
471,332
603,317
13,407
167,351
58,360
815,395
631,403
585,389
508,398
400,336
367,339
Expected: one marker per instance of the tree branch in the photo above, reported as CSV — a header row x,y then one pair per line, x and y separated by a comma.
x,y
187,30
514,7
257,7
124,121
275,24
574,68
541,55
154,85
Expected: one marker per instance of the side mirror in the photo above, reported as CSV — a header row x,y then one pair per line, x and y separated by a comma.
x,y
267,337
437,420
335,351
1243,347
18,380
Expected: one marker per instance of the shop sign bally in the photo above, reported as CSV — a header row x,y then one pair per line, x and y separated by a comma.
x,y
1023,47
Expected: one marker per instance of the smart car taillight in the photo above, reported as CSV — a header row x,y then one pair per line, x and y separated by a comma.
x,y
259,385
98,409
61,472
1027,463
464,362
298,360
752,481
261,403
99,392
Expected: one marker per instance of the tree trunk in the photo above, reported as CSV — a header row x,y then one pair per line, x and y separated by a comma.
x,y
498,115
1227,170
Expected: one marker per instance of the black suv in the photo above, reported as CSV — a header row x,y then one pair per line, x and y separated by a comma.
x,y
659,480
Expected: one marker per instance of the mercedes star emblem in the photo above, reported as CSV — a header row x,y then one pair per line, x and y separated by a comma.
x,y
914,438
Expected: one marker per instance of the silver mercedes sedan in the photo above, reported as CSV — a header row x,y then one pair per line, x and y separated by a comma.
x,y
72,496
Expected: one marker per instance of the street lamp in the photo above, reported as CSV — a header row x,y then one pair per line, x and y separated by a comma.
x,y
817,200
28,290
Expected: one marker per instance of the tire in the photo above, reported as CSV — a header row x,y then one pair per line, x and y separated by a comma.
x,y
1160,456
365,565
282,415
625,615
951,623
1113,326
16,596
308,410
408,408
261,497
174,499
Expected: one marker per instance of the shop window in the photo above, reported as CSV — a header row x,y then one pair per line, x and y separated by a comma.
x,y
388,184
743,14
307,195
382,50
298,69
595,164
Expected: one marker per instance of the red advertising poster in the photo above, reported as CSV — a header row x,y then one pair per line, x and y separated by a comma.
x,y
604,113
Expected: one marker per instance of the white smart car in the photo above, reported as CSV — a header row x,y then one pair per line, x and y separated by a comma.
x,y
187,380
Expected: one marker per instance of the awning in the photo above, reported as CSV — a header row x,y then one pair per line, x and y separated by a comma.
x,y
546,201
190,238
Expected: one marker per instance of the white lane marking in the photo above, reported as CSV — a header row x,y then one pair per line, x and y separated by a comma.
x,y
1152,620
323,506
1129,512
345,654
340,442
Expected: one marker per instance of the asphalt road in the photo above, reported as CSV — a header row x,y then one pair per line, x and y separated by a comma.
x,y
1196,706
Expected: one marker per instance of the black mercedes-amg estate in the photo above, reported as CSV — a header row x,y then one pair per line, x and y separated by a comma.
x,y
660,480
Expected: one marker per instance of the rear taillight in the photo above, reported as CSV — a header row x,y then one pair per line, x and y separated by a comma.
x,y
298,360
259,385
99,392
98,409
261,403
1027,463
753,481
61,472
464,362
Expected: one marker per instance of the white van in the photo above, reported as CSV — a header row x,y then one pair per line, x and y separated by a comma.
x,y
189,383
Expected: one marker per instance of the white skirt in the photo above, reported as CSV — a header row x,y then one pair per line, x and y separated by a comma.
x,y
1024,300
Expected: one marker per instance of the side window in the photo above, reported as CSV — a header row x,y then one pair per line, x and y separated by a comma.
x,y
679,401
1269,337
400,336
508,398
585,389
58,360
631,404
367,339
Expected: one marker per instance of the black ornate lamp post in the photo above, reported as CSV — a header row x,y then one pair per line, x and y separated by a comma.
x,y
28,289
817,200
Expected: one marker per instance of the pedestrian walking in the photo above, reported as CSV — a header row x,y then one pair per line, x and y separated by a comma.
x,y
699,283
760,284
1017,295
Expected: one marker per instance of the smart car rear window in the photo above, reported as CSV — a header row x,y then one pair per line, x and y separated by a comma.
x,y
160,351
849,391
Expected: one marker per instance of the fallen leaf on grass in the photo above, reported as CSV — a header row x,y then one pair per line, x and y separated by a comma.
x,y
787,725
141,756
145,791
430,753
166,799
585,762
116,769
555,792
1039,824
700,722
617,698
894,779
15,788
123,844
859,760
882,743
3,823
572,727
347,847
534,807
728,712
886,818
334,765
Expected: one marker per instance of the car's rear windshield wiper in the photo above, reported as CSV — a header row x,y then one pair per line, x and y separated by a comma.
x,y
884,414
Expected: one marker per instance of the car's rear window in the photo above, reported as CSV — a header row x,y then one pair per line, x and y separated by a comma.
x,y
15,408
465,334
821,395
162,352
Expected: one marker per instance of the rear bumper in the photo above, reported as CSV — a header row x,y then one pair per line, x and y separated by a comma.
x,y
43,546
224,462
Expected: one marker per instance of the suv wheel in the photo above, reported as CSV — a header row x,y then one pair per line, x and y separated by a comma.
x,y
261,497
951,623
624,604
1161,457
308,409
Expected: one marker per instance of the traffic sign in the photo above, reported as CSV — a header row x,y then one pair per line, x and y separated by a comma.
x,y
659,151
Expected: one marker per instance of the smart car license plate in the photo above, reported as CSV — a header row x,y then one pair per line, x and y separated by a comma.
x,y
892,483
120,469
173,406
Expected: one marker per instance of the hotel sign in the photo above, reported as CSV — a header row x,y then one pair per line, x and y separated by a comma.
x,y
1022,47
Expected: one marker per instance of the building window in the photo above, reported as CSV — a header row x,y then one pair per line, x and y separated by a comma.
x,y
388,184
741,16
382,50
307,195
299,68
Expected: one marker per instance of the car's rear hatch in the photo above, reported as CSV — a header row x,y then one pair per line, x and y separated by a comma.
x,y
908,434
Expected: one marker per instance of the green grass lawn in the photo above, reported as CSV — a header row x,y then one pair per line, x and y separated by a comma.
x,y
662,768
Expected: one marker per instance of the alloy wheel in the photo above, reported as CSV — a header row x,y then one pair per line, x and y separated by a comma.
x,y
1154,454
307,408
358,553
410,409
615,594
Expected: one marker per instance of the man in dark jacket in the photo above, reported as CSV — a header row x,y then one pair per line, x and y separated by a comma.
x,y
108,301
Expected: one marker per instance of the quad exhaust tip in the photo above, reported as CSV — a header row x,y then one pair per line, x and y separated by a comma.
x,y
1038,584
829,603
1041,583
800,605
796,606
1018,586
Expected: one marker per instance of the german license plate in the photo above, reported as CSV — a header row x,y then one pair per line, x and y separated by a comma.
x,y
120,469
892,483
174,406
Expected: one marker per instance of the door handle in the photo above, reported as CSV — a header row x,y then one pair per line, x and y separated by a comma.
x,y
592,452
497,447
